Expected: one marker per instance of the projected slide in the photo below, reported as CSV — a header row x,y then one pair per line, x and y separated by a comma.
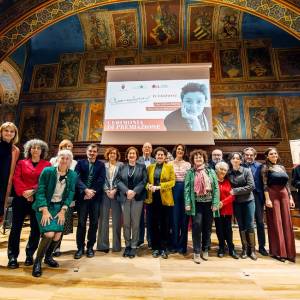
x,y
158,105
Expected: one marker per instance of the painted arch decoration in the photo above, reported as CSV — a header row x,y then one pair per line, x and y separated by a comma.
x,y
45,13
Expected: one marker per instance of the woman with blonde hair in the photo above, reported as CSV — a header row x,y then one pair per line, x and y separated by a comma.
x,y
9,154
68,229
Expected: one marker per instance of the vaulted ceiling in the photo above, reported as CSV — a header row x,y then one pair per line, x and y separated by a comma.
x,y
20,20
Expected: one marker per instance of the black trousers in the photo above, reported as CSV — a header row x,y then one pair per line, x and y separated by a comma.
x,y
160,223
259,218
21,208
224,232
202,224
85,209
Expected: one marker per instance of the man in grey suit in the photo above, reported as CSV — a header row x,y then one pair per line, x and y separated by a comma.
x,y
146,159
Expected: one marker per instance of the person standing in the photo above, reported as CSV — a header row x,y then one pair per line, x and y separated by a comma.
x,y
25,182
201,194
131,181
109,202
161,180
258,192
9,154
279,200
68,228
242,183
216,156
54,195
91,178
146,159
180,220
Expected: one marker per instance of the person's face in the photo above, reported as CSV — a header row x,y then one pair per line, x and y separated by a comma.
x,y
160,157
92,153
198,160
273,156
131,156
194,103
236,161
8,134
147,149
36,151
64,162
217,156
179,152
112,156
221,172
249,156
67,146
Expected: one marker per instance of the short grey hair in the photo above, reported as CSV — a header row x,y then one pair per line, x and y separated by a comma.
x,y
65,152
251,149
221,164
36,142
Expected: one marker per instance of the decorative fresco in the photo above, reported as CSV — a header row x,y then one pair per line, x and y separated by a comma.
x,y
162,22
97,28
95,121
123,59
226,118
125,28
35,122
288,63
93,72
69,70
229,24
259,65
44,78
150,58
293,117
200,22
204,56
231,64
174,58
69,119
264,117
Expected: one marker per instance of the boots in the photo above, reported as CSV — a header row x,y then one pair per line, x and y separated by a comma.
x,y
49,255
251,244
43,246
244,244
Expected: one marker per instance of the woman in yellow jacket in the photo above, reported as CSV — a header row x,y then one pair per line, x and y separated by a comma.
x,y
161,180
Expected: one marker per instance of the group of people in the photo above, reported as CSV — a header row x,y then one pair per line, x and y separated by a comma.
x,y
163,193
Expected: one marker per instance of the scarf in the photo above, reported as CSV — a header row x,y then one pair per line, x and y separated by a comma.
x,y
202,184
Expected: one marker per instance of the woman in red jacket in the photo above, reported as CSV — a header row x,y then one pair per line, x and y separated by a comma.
x,y
223,223
25,182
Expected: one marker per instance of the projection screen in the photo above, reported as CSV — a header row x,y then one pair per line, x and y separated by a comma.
x,y
161,104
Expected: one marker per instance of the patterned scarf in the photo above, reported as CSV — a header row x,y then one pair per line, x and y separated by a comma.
x,y
202,184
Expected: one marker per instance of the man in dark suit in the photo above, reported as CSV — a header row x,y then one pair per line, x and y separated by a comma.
x,y
91,178
216,156
146,159
255,166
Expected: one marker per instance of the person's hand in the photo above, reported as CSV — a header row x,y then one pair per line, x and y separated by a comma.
x,y
192,119
292,202
214,208
28,193
187,208
61,217
89,194
220,204
149,187
269,203
111,193
46,217
130,194
231,192
154,188
30,199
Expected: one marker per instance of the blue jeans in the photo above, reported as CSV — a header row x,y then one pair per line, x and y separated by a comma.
x,y
244,213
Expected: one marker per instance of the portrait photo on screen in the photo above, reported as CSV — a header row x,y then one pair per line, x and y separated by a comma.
x,y
158,105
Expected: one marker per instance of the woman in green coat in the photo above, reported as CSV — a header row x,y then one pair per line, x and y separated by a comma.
x,y
201,195
54,195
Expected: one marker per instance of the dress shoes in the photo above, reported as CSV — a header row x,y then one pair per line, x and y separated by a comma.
x,y
263,251
221,252
90,252
51,262
164,254
28,261
78,254
233,254
126,252
155,253
12,263
132,253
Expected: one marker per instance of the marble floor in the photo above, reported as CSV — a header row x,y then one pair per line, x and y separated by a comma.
x,y
110,276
